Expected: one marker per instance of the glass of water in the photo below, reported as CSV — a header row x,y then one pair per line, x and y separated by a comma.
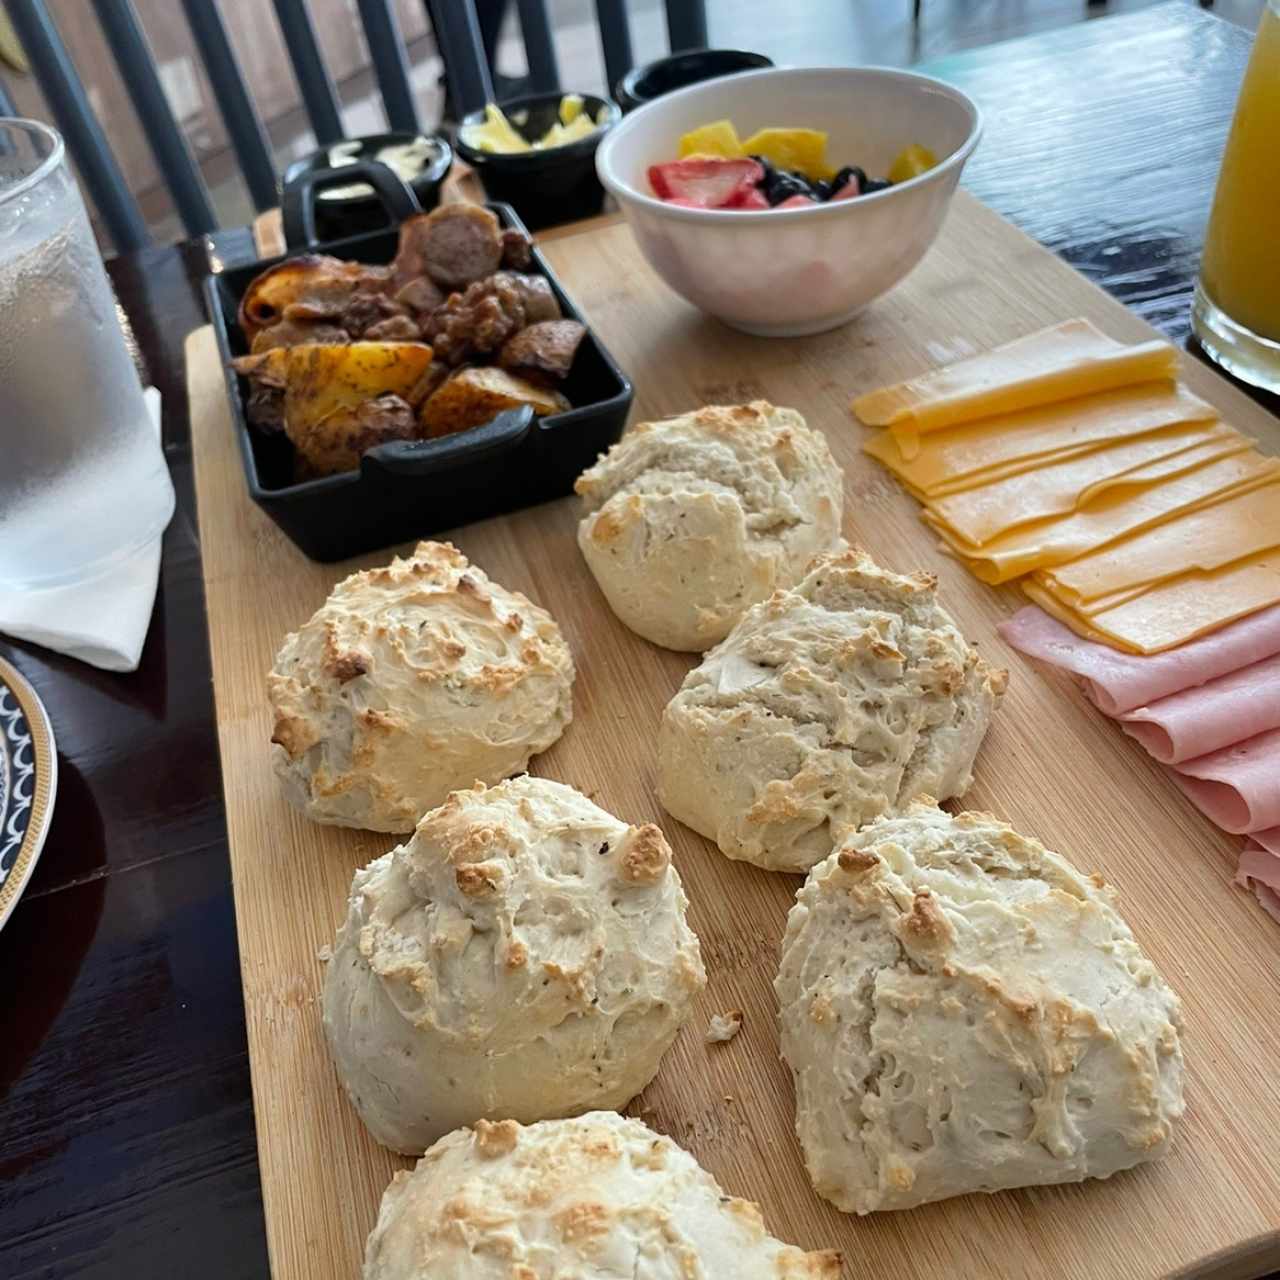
x,y
83,481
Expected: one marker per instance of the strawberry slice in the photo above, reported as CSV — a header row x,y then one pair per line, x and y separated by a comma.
x,y
751,198
796,202
848,191
707,182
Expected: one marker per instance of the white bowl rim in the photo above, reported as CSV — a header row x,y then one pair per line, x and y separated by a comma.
x,y
624,191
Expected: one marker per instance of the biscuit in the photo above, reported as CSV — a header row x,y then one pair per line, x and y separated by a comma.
x,y
825,707
409,682
963,1011
693,519
597,1196
524,955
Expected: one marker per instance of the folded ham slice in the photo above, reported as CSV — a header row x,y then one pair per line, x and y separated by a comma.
x,y
1268,841
1119,682
1210,716
1259,870
1239,786
1268,900
1258,865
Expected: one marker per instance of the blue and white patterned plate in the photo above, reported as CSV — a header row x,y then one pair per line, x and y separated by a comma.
x,y
28,780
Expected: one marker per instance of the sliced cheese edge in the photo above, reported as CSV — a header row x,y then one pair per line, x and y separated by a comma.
x,y
976,453
1064,362
1201,541
984,512
1116,515
1177,611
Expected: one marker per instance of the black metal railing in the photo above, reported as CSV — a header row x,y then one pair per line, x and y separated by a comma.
x,y
457,34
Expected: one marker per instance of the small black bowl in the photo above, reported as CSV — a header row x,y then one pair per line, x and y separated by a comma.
x,y
544,187
411,488
339,215
643,84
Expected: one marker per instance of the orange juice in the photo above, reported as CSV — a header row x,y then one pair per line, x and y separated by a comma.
x,y
1240,271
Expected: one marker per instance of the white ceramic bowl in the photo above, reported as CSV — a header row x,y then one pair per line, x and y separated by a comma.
x,y
781,273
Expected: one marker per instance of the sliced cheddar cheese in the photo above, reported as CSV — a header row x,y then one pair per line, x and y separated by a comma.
x,y
960,457
984,512
1181,609
1195,542
1066,361
1115,514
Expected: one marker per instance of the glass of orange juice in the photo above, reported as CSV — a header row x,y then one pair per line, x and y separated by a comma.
x,y
1236,312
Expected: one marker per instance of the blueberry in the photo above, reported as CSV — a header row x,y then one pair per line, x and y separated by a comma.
x,y
875,184
766,165
782,186
849,171
822,190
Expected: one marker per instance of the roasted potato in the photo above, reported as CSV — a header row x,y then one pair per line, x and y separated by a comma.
x,y
338,443
473,396
341,400
310,287
321,378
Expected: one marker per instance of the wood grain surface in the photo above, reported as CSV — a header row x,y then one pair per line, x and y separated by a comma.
x,y
1051,765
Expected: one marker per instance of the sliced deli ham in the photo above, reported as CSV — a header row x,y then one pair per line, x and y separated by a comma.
x,y
1118,682
1258,865
1268,841
1259,870
1196,721
1268,900
1239,786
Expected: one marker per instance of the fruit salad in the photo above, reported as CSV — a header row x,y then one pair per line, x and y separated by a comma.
x,y
497,134
775,168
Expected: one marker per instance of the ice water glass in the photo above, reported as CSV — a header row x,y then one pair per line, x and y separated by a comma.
x,y
83,481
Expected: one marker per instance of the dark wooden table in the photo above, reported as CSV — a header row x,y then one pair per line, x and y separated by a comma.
x,y
126,1126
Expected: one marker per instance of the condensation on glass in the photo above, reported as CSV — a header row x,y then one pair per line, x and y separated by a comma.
x,y
83,481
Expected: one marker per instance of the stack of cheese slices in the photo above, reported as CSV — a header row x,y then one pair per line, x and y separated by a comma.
x,y
1145,528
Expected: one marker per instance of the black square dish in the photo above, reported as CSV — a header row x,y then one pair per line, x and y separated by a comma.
x,y
411,488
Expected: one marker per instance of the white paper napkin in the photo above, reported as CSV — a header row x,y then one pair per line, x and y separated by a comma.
x,y
102,621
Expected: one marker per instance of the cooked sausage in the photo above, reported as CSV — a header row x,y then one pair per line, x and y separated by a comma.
x,y
548,347
395,328
265,407
421,295
365,311
535,293
454,245
517,249
292,333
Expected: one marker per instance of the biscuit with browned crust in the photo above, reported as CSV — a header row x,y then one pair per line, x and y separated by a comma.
x,y
593,1197
409,682
964,1011
693,519
525,955
826,706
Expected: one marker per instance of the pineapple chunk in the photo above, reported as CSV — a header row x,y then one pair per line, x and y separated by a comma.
x,y
911,162
719,138
802,149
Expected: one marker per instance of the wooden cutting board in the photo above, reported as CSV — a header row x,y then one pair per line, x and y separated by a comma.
x,y
1051,765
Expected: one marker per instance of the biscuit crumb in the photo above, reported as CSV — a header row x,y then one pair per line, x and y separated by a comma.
x,y
325,954
723,1026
